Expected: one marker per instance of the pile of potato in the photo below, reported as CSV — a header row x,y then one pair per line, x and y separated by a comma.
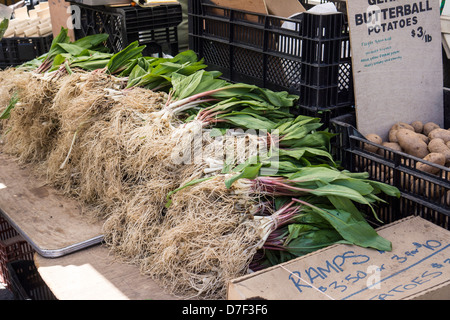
x,y
427,141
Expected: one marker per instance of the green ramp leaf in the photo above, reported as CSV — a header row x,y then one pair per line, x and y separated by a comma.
x,y
12,103
355,231
249,172
190,183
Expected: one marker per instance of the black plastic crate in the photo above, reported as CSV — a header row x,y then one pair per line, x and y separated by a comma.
x,y
6,229
8,2
423,194
27,284
154,27
18,50
308,55
12,247
325,115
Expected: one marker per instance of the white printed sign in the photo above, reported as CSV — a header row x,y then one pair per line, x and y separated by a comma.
x,y
397,62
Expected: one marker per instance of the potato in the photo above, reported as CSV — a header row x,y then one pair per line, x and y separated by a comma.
x,y
393,135
372,137
436,158
428,127
440,133
394,129
418,126
402,125
411,143
438,145
423,137
390,145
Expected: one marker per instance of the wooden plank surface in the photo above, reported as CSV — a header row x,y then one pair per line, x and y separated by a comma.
x,y
94,274
49,220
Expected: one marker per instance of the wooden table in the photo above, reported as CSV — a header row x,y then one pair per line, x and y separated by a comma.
x,y
94,274
70,256
52,224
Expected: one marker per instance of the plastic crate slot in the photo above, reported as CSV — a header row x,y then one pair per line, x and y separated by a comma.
x,y
159,36
216,28
345,76
289,76
254,69
12,247
318,97
6,230
27,284
217,53
320,76
248,36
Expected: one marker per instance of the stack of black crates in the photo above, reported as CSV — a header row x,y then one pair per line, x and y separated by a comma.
x,y
307,55
155,27
15,51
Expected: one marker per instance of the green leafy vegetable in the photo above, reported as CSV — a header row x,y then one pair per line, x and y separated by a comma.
x,y
3,27
12,103
121,59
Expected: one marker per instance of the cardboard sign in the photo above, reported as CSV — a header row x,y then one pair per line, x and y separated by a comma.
x,y
289,8
61,14
397,62
257,6
418,267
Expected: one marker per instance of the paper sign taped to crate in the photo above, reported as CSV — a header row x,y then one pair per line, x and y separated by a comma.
x,y
397,62
418,267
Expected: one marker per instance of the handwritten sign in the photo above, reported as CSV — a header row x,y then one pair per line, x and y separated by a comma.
x,y
397,62
370,270
418,263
